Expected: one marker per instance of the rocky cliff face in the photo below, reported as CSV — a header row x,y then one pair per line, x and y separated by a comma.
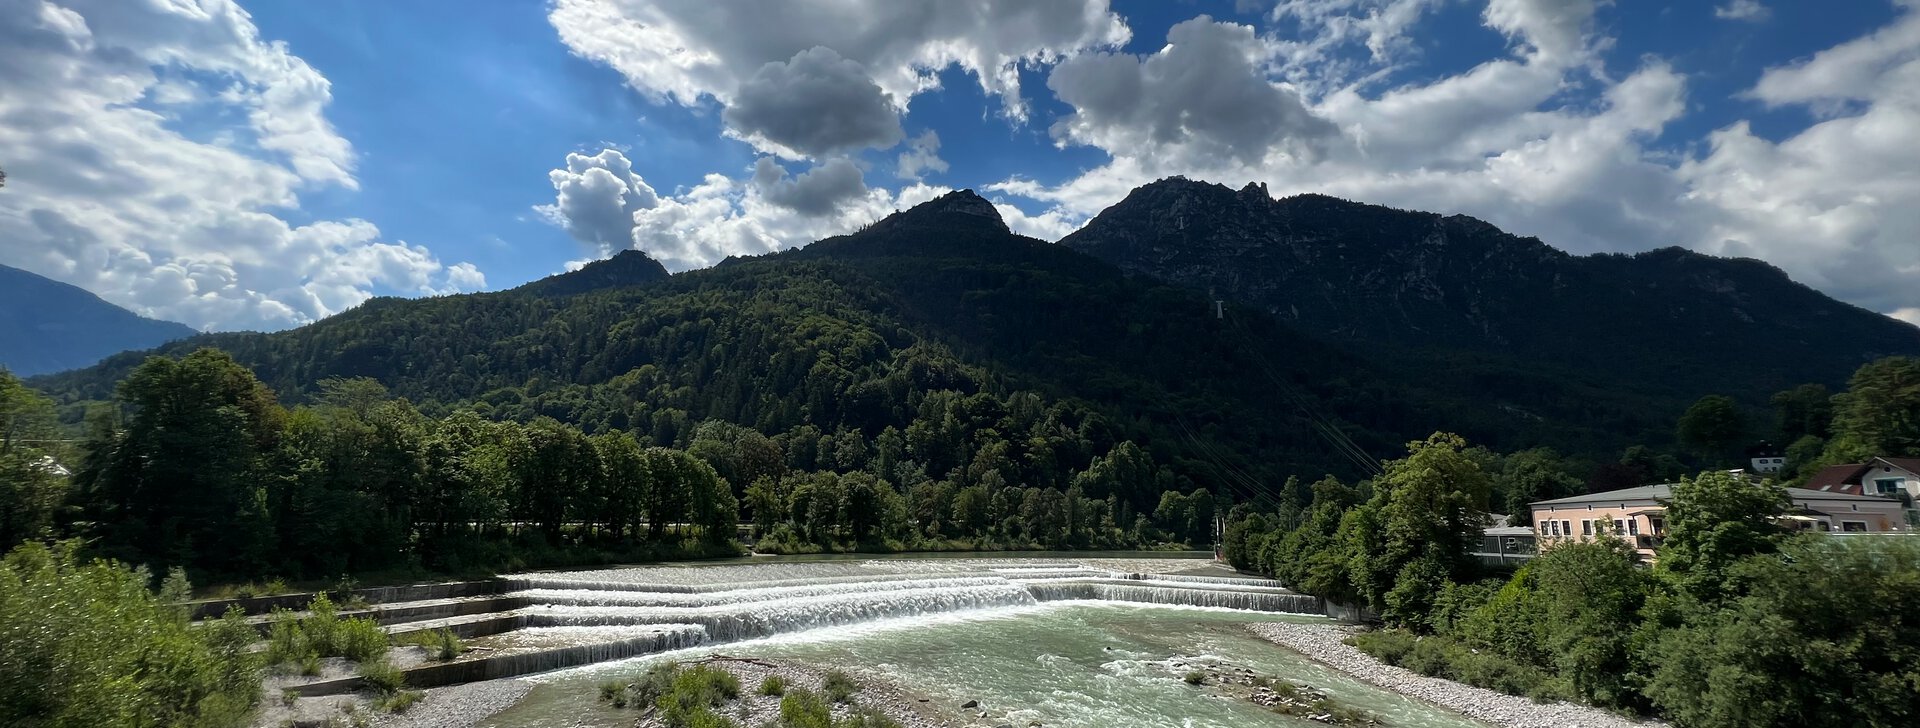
x,y
1382,277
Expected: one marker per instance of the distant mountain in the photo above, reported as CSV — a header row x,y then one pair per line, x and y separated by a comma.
x,y
1455,296
625,268
49,326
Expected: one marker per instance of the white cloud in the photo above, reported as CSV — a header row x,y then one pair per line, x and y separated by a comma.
x,y
1910,315
1201,98
761,212
597,197
111,190
689,51
921,158
1747,10
814,105
1546,142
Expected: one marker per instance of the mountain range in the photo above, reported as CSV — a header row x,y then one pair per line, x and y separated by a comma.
x,y
1345,327
49,326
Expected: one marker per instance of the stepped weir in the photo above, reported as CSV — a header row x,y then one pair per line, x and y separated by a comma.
x,y
554,620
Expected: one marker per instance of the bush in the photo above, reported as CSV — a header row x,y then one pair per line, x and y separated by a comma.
x,y
359,640
773,685
615,692
1443,657
1196,677
867,718
443,643
804,709
399,702
382,676
693,694
839,687
85,643
302,642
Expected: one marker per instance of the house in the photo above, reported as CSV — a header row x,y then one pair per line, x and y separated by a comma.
x,y
1639,515
1879,476
1765,458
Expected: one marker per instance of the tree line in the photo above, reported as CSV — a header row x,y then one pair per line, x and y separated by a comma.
x,y
196,464
1740,621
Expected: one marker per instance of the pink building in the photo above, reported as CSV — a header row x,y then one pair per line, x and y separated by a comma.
x,y
1639,515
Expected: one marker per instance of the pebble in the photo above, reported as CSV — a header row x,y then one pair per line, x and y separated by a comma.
x,y
1324,643
458,706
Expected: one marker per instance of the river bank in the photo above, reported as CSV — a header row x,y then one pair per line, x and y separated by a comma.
x,y
1325,643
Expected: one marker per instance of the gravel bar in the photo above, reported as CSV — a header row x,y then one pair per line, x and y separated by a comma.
x,y
1325,643
458,706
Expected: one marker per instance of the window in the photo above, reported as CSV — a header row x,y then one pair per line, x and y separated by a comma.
x,y
1633,527
1566,527
1825,526
1586,527
1619,526
1886,486
1853,526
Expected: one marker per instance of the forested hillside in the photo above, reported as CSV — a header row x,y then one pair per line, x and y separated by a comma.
x,y
935,324
1509,318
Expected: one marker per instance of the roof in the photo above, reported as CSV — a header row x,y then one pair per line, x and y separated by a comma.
x,y
1836,478
1644,492
1665,491
1911,465
1509,531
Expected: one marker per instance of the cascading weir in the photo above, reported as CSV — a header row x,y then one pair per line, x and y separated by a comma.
x,y
584,617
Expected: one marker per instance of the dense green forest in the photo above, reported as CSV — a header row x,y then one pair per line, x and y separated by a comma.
x,y
1739,622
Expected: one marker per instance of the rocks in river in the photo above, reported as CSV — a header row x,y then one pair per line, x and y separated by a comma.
x,y
969,705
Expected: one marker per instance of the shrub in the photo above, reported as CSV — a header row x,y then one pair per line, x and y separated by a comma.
x,y
694,694
400,701
1196,677
867,718
382,676
802,708
839,687
773,685
615,692
443,643
360,640
85,643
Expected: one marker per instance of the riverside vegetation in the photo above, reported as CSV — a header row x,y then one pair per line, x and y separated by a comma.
x,y
1739,622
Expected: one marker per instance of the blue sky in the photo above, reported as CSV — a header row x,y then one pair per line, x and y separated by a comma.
x,y
265,164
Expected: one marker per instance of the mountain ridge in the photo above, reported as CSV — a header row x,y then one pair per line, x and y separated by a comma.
x,y
1377,277
47,326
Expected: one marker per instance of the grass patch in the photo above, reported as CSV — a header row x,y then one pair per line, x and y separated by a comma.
x,y
301,642
773,685
1195,677
442,643
382,676
399,701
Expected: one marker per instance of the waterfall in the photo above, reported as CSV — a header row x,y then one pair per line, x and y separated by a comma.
x,y
747,620
1231,599
632,598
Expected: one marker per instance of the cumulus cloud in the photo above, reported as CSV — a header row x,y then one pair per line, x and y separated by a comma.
x,y
765,210
818,192
1201,97
921,158
689,51
1747,10
112,188
1909,315
814,105
597,197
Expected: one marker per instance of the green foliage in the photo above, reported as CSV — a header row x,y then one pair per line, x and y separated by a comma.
x,y
1803,411
1879,414
1715,520
1437,656
839,686
1195,677
399,701
693,694
1432,506
1820,637
85,643
1713,428
381,676
773,685
302,641
32,486
443,643
802,708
